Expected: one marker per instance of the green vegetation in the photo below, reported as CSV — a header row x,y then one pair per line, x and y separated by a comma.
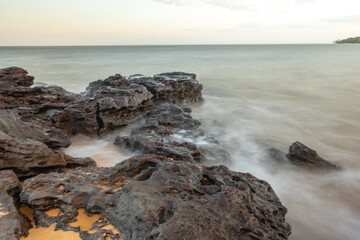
x,y
349,40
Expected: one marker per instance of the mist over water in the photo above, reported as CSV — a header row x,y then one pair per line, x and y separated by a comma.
x,y
254,95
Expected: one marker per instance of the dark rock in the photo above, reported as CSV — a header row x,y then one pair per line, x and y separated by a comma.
x,y
172,132
72,162
105,106
147,197
119,101
12,125
12,224
301,155
27,157
177,87
16,76
10,182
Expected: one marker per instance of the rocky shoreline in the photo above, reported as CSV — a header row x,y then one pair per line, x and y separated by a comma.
x,y
171,190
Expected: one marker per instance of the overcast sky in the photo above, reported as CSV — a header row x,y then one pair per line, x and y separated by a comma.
x,y
133,22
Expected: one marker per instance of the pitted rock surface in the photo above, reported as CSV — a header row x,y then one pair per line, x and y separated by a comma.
x,y
149,197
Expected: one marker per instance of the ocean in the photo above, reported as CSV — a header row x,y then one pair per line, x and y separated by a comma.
x,y
254,95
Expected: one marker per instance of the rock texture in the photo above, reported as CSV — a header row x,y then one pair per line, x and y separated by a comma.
x,y
170,131
105,106
15,76
149,197
12,224
302,156
28,157
162,196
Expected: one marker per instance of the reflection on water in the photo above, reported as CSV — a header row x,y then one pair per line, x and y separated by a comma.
x,y
277,94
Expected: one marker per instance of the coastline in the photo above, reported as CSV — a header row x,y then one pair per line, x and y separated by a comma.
x,y
107,105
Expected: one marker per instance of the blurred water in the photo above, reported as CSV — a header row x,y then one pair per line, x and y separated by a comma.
x,y
253,93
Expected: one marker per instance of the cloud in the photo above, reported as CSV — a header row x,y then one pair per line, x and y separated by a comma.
x,y
229,4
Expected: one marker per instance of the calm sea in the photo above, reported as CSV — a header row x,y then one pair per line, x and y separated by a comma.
x,y
254,94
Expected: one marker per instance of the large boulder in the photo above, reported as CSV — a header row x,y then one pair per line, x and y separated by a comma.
x,y
149,197
170,131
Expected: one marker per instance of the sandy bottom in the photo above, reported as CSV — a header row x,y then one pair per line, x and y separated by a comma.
x,y
83,221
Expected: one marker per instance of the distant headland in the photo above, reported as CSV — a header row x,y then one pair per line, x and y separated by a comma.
x,y
348,40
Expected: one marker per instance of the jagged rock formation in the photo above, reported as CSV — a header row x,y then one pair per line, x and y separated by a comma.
x,y
302,156
170,131
149,197
164,196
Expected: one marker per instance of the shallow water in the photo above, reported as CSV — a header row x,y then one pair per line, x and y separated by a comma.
x,y
254,94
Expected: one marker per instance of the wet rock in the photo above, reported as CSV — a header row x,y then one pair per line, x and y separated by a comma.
x,y
12,224
148,197
15,76
302,156
170,131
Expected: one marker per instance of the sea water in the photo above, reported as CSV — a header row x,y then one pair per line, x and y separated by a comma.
x,y
254,95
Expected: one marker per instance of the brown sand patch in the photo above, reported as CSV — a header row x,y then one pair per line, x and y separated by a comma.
x,y
29,213
84,221
50,233
53,212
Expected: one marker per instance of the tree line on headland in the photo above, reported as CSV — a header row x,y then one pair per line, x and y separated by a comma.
x,y
348,40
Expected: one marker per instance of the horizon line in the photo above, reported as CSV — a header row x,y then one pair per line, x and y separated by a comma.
x,y
154,45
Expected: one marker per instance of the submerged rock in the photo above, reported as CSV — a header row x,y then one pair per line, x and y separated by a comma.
x,y
302,156
170,131
149,197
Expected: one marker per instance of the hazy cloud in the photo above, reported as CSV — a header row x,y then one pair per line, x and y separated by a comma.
x,y
355,19
230,4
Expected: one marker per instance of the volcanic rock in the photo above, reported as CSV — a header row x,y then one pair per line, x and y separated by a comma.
x,y
15,76
149,197
28,157
176,87
12,223
170,131
12,125
302,156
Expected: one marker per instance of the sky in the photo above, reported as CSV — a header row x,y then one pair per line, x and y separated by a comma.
x,y
163,22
